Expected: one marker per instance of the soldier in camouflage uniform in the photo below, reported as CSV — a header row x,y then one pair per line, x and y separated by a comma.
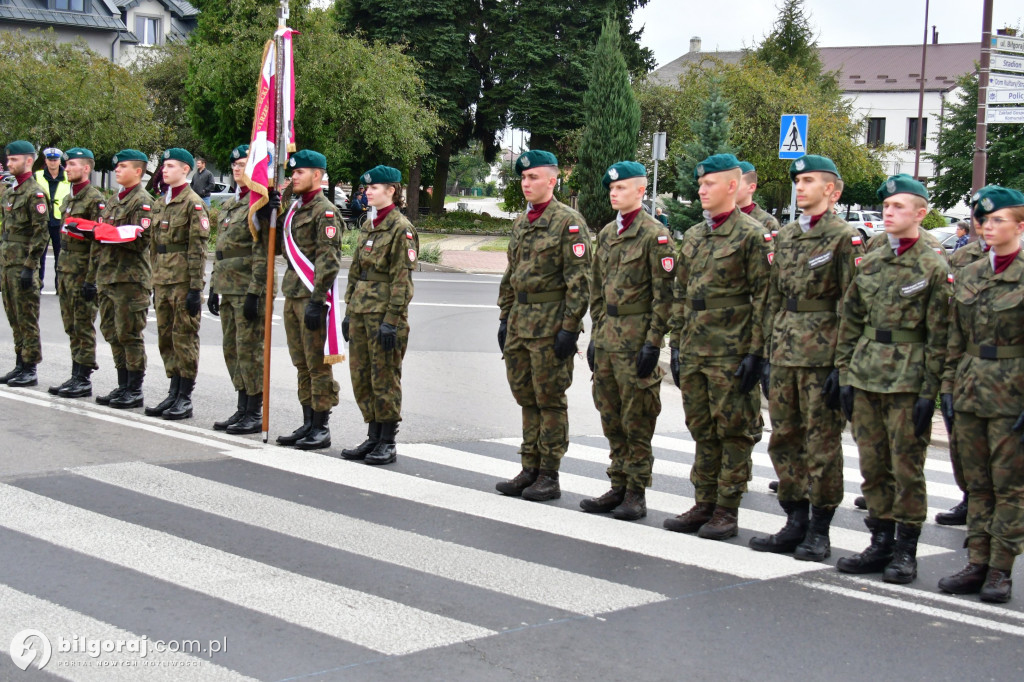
x,y
79,315
543,297
25,239
717,342
891,349
179,273
981,395
814,261
745,199
119,274
630,303
377,314
237,284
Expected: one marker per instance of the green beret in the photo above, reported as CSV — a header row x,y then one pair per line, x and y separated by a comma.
x,y
747,167
901,184
623,170
976,197
307,158
129,155
79,153
239,152
179,154
994,197
535,158
812,163
20,147
379,175
715,163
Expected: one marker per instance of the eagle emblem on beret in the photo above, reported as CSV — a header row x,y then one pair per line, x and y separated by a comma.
x,y
976,197
525,161
613,173
115,159
700,170
800,163
366,177
291,162
167,154
890,185
987,204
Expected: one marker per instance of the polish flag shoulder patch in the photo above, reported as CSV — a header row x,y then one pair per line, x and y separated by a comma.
x,y
328,214
40,195
857,241
408,234
330,231
412,255
767,236
950,278
41,208
102,206
579,249
145,222
205,222
857,260
771,257
663,239
574,229
145,207
668,263
940,251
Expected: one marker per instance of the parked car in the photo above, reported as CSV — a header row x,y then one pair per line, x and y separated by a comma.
x,y
946,236
868,223
221,193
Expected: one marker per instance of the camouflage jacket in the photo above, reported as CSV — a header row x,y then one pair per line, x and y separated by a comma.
x,y
25,225
985,316
317,234
631,291
77,253
882,239
240,264
966,255
127,262
179,243
765,218
721,289
548,259
907,296
810,274
380,277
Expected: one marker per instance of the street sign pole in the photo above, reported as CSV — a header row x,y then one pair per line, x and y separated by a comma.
x,y
658,153
792,145
981,131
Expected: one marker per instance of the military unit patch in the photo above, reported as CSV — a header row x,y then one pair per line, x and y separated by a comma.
x,y
857,260
41,208
412,254
145,222
668,263
579,249
771,257
330,231
205,222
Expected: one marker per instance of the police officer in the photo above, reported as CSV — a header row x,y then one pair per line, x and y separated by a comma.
x,y
377,314
56,186
543,297
630,303
980,395
25,235
745,199
236,295
814,261
717,322
890,354
78,314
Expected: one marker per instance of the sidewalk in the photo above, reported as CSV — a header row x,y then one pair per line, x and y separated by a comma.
x,y
462,252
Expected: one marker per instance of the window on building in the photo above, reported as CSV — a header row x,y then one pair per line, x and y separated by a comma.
x,y
147,30
70,5
912,133
876,132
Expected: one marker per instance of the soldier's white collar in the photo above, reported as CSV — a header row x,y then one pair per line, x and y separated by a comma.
x,y
805,222
373,213
708,220
894,243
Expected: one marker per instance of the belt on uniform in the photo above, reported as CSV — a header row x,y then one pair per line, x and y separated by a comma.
x,y
995,352
240,252
818,305
171,248
628,309
78,246
18,238
715,303
373,276
540,296
894,335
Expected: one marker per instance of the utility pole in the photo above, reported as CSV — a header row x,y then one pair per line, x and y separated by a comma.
x,y
920,97
981,133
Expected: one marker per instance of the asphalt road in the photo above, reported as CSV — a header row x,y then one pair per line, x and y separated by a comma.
x,y
248,561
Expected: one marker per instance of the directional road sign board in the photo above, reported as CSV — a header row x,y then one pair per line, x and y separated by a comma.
x,y
1007,62
1008,43
792,136
1005,115
1006,97
1004,81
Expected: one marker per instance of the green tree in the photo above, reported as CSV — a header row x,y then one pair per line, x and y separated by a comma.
x,y
611,123
792,42
467,169
162,71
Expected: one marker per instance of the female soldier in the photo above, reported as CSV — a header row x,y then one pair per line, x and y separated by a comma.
x,y
981,394
377,313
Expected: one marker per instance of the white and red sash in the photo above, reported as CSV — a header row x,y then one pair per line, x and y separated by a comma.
x,y
334,350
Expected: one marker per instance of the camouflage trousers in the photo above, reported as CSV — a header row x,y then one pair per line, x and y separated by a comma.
x,y
891,457
993,460
806,441
725,423
376,373
629,408
539,381
123,310
177,332
317,387
79,317
958,464
22,306
242,342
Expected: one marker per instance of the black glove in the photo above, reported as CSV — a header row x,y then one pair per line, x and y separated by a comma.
x,y
344,328
193,302
314,315
565,344
213,303
647,360
947,411
846,401
749,372
502,333
1019,425
922,416
89,291
673,365
273,203
590,355
25,279
388,336
766,377
250,309
830,390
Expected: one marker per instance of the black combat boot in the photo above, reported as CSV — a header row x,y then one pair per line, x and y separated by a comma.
x,y
80,386
252,420
957,516
319,435
860,503
132,394
385,451
26,378
690,521
969,580
998,587
122,386
243,399
903,567
299,433
816,545
182,407
633,507
773,486
544,488
172,395
13,373
606,503
55,390
367,446
877,556
791,535
523,480
723,525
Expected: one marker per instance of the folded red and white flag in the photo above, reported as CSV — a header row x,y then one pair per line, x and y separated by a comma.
x,y
105,232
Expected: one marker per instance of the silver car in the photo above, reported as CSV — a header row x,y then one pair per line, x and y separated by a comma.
x,y
868,223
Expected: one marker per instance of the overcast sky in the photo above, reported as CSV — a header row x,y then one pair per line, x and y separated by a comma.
x,y
669,24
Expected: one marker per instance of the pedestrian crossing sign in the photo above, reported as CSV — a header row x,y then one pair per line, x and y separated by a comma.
x,y
793,136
